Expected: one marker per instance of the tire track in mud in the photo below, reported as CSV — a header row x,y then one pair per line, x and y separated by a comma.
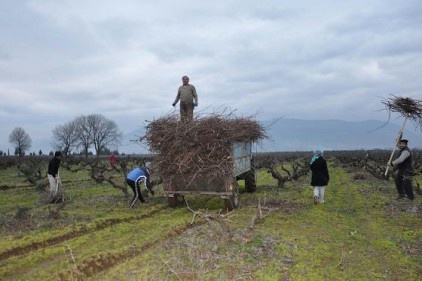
x,y
97,264
22,250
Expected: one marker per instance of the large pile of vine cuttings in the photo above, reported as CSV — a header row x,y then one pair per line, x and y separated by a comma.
x,y
199,149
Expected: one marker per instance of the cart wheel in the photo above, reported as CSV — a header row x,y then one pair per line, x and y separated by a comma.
x,y
250,182
176,200
232,202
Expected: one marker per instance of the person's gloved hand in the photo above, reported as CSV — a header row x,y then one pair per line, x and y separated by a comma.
x,y
195,104
173,104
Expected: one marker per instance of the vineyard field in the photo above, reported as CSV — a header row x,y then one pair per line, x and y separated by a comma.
x,y
361,232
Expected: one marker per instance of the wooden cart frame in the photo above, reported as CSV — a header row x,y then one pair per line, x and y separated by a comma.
x,y
227,188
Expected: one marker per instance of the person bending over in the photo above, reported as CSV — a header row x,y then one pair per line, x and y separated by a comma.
x,y
134,179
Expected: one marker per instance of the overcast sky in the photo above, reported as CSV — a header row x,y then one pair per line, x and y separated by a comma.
x,y
124,59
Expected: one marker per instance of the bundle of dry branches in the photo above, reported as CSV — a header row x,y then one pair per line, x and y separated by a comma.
x,y
407,107
200,150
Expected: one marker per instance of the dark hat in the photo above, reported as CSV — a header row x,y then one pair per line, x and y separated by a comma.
x,y
57,153
403,140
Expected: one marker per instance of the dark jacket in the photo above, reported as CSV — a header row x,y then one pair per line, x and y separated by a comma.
x,y
405,167
53,166
320,176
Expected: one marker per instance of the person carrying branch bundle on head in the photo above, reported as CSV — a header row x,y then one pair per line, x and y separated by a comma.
x,y
403,180
188,99
134,179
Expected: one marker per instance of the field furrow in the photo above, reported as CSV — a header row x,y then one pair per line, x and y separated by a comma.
x,y
76,232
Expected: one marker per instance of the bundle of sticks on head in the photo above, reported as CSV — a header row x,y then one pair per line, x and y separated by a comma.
x,y
410,109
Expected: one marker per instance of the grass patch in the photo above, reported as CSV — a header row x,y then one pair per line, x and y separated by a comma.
x,y
359,233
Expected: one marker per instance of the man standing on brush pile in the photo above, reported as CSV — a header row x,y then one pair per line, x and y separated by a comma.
x,y
53,173
188,99
403,163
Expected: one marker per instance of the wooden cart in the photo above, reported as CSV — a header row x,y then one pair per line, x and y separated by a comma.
x,y
226,188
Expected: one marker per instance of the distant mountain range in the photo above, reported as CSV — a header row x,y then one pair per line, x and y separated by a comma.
x,y
300,135
308,135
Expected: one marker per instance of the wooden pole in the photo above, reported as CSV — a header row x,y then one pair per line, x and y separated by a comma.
x,y
395,145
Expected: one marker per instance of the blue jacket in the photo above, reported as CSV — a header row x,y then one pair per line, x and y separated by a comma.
x,y
140,174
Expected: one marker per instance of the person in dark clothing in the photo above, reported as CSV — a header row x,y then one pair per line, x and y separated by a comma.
x,y
134,179
53,172
403,179
320,176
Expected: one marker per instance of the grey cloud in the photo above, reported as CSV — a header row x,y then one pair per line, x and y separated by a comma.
x,y
331,59
121,32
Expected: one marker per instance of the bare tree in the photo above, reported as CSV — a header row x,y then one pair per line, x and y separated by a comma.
x,y
96,130
21,140
65,137
104,133
83,130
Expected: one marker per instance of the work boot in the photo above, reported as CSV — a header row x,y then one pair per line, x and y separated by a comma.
x,y
316,200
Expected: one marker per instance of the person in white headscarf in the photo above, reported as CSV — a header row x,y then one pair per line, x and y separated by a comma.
x,y
320,176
